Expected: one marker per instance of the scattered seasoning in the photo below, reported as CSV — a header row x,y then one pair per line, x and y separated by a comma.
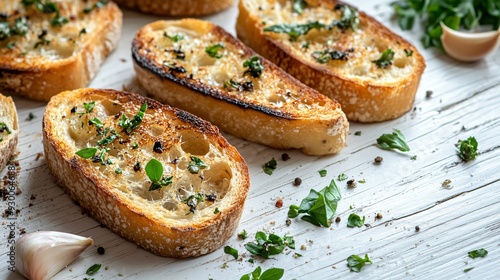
x,y
288,222
385,59
135,146
417,228
357,133
446,183
478,253
231,251
297,181
82,31
93,269
176,38
467,149
31,116
101,250
414,157
428,94
216,210
255,67
356,263
468,269
213,51
296,255
322,173
73,110
408,52
118,171
342,177
337,220
158,147
242,235
195,165
211,197
97,5
243,86
285,157
270,166
355,221
379,216
351,183
378,159
362,181
279,203
137,166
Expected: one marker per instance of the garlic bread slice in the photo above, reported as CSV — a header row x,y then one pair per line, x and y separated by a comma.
x,y
9,129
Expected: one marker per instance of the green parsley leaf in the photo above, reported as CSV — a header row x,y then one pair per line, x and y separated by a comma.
x,y
231,251
408,52
176,38
357,133
322,173
319,207
299,6
93,269
216,210
270,274
20,27
393,141
242,235
467,149
4,127
355,221
242,86
89,106
129,126
195,165
478,253
356,263
213,51
294,30
342,177
385,59
266,246
118,171
86,153
468,269
270,166
255,67
327,55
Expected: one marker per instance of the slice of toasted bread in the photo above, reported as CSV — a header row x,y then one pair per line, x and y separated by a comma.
x,y
9,129
177,8
336,54
39,58
210,80
101,153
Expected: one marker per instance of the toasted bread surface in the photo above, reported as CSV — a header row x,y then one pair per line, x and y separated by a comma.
x,y
273,109
336,60
191,216
177,8
9,129
49,57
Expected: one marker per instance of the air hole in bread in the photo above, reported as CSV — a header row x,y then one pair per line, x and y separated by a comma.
x,y
157,130
217,179
170,204
107,108
194,143
205,60
401,62
278,100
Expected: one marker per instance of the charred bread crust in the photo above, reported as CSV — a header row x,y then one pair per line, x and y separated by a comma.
x,y
71,55
362,99
119,201
10,130
177,8
284,123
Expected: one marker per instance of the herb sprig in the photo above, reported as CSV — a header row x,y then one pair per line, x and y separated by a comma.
x,y
129,126
467,149
255,67
356,263
213,51
270,166
385,59
270,274
478,253
266,246
154,170
394,141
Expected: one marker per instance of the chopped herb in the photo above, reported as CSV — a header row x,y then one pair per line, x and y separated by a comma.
x,y
108,140
306,45
408,52
243,86
478,253
82,31
319,207
59,21
467,149
342,177
294,30
216,210
414,157
270,166
89,106
326,55
118,171
86,153
356,263
192,201
254,66
154,170
355,221
349,18
11,45
362,181
97,5
31,116
296,255
213,51
20,27
4,127
270,274
266,246
195,165
93,269
393,141
231,251
357,133
468,269
242,235
129,126
135,145
385,59
176,38
322,173
98,124
174,68
48,8
42,42
299,6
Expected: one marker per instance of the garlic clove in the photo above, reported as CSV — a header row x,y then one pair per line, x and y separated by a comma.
x,y
41,255
466,46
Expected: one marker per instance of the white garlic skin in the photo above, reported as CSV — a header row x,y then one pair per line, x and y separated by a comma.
x,y
41,255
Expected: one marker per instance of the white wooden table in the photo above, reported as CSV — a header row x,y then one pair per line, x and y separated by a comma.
x,y
408,193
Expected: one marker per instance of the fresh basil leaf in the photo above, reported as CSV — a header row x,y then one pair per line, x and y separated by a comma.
x,y
261,237
385,59
254,249
355,221
93,269
478,253
154,170
266,247
86,153
356,263
467,149
270,166
231,251
272,274
342,177
393,141
294,30
310,220
323,173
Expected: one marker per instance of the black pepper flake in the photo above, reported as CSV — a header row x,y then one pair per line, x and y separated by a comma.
x,y
417,228
337,220
378,159
288,222
211,197
73,110
175,161
297,181
351,183
96,159
428,94
101,251
379,216
137,166
158,147
285,157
